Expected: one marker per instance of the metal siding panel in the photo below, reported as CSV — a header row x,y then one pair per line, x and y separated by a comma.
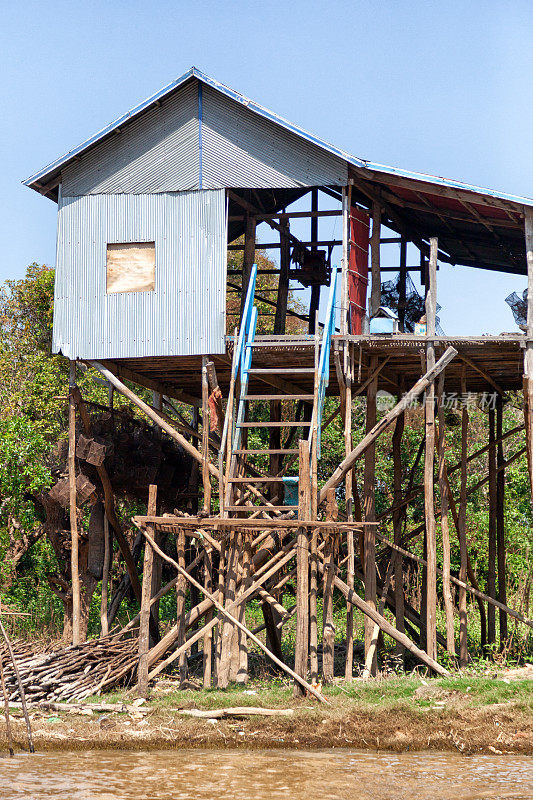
x,y
157,152
185,315
241,148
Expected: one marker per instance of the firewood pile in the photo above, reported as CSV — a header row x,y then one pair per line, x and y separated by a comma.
x,y
70,673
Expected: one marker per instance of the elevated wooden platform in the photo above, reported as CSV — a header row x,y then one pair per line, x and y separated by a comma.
x,y
491,361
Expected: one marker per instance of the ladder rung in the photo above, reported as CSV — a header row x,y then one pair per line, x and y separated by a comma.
x,y
266,452
252,509
282,371
272,424
278,397
269,479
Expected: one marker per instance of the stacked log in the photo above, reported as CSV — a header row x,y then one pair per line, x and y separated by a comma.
x,y
71,673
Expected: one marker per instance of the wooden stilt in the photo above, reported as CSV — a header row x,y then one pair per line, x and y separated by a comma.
x,y
491,573
350,567
301,646
313,618
500,521
370,514
375,297
74,554
328,627
280,320
181,590
397,523
228,629
206,478
208,636
429,460
104,627
528,353
144,622
444,522
463,625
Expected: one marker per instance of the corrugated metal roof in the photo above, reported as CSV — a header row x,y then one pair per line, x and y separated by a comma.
x,y
185,315
52,170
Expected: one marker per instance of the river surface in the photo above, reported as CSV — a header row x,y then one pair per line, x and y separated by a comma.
x,y
264,775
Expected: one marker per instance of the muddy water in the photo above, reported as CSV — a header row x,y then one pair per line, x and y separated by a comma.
x,y
265,775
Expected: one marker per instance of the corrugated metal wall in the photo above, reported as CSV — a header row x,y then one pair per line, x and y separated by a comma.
x,y
243,149
185,315
158,152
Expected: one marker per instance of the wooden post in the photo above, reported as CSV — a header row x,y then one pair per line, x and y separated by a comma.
x,y
206,478
369,506
208,636
397,519
74,554
463,569
328,628
350,567
9,735
402,289
280,318
345,303
108,555
144,622
444,522
429,460
248,256
246,566
313,618
491,572
301,646
315,288
375,296
500,521
181,590
528,354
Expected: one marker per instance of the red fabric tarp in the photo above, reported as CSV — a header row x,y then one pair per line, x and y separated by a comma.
x,y
358,267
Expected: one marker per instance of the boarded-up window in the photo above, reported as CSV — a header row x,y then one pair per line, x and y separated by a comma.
x,y
131,267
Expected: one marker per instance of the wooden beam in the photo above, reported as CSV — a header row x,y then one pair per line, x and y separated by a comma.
x,y
384,423
375,296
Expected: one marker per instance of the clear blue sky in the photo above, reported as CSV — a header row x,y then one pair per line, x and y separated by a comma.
x,y
439,87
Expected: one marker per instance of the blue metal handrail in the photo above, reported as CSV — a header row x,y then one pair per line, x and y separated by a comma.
x,y
323,362
245,325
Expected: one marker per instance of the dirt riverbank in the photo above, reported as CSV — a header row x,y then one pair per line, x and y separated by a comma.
x,y
467,714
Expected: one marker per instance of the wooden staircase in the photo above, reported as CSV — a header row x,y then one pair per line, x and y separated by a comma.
x,y
248,487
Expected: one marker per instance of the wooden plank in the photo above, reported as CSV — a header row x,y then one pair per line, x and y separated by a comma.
x,y
130,267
